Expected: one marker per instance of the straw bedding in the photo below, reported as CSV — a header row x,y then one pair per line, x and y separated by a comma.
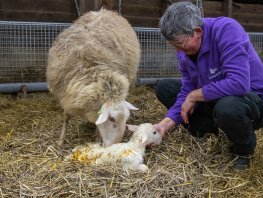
x,y
32,165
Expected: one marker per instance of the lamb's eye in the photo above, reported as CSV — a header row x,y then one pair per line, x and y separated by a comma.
x,y
112,119
154,133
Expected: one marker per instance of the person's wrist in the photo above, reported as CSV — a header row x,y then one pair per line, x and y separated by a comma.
x,y
192,96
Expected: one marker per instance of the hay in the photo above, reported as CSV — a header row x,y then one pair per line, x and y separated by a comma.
x,y
31,164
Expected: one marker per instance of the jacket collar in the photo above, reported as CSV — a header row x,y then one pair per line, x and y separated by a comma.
x,y
205,47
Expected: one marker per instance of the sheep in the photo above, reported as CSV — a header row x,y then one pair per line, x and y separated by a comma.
x,y
129,154
90,67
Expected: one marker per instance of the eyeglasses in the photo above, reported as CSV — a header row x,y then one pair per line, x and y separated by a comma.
x,y
182,46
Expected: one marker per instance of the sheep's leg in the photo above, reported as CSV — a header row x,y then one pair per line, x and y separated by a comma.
x,y
64,129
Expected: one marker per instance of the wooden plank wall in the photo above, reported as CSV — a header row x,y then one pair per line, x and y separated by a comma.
x,y
249,15
38,10
140,13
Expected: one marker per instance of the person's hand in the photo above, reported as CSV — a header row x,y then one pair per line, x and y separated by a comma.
x,y
187,109
190,101
163,126
160,129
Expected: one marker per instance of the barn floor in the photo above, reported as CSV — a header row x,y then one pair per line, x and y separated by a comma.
x,y
31,164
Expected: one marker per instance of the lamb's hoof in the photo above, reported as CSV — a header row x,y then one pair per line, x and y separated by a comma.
x,y
143,168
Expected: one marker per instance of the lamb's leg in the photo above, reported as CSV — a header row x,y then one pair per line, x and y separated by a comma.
x,y
143,168
64,129
137,167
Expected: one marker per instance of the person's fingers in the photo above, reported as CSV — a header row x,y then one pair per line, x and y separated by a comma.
x,y
191,111
156,127
184,116
186,119
159,129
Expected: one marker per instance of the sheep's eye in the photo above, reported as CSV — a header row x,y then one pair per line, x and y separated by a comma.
x,y
154,133
112,119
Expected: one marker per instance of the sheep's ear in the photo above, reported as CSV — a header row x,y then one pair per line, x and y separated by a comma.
x,y
144,139
132,127
130,106
103,114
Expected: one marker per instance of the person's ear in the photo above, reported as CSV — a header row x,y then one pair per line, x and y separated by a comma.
x,y
199,31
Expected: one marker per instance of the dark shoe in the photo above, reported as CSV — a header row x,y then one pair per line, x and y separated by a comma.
x,y
241,162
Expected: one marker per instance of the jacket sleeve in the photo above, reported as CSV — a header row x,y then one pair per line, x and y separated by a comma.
x,y
232,43
187,86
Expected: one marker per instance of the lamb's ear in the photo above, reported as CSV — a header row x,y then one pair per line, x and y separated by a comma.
x,y
132,127
130,106
103,114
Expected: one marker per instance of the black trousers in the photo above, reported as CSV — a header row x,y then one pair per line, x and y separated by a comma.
x,y
236,116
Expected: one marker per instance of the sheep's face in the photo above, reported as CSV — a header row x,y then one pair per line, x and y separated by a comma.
x,y
111,122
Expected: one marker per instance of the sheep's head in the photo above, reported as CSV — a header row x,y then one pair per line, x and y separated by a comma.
x,y
145,133
111,121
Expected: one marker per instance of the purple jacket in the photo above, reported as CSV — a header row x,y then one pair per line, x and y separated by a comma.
x,y
227,64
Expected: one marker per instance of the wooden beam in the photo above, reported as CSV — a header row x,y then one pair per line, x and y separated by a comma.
x,y
89,5
83,6
107,4
95,5
228,8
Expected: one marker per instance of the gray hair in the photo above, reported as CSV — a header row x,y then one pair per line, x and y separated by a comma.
x,y
179,19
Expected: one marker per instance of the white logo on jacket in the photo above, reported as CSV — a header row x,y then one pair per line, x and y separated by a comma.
x,y
213,73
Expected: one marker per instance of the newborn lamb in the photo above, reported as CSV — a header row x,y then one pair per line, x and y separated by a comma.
x,y
129,154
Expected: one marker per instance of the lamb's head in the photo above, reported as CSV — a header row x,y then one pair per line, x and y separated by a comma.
x,y
145,133
111,121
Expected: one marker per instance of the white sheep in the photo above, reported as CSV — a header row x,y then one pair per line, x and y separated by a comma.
x,y
90,67
129,154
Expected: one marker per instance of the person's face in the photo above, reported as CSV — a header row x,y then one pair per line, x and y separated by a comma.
x,y
189,44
